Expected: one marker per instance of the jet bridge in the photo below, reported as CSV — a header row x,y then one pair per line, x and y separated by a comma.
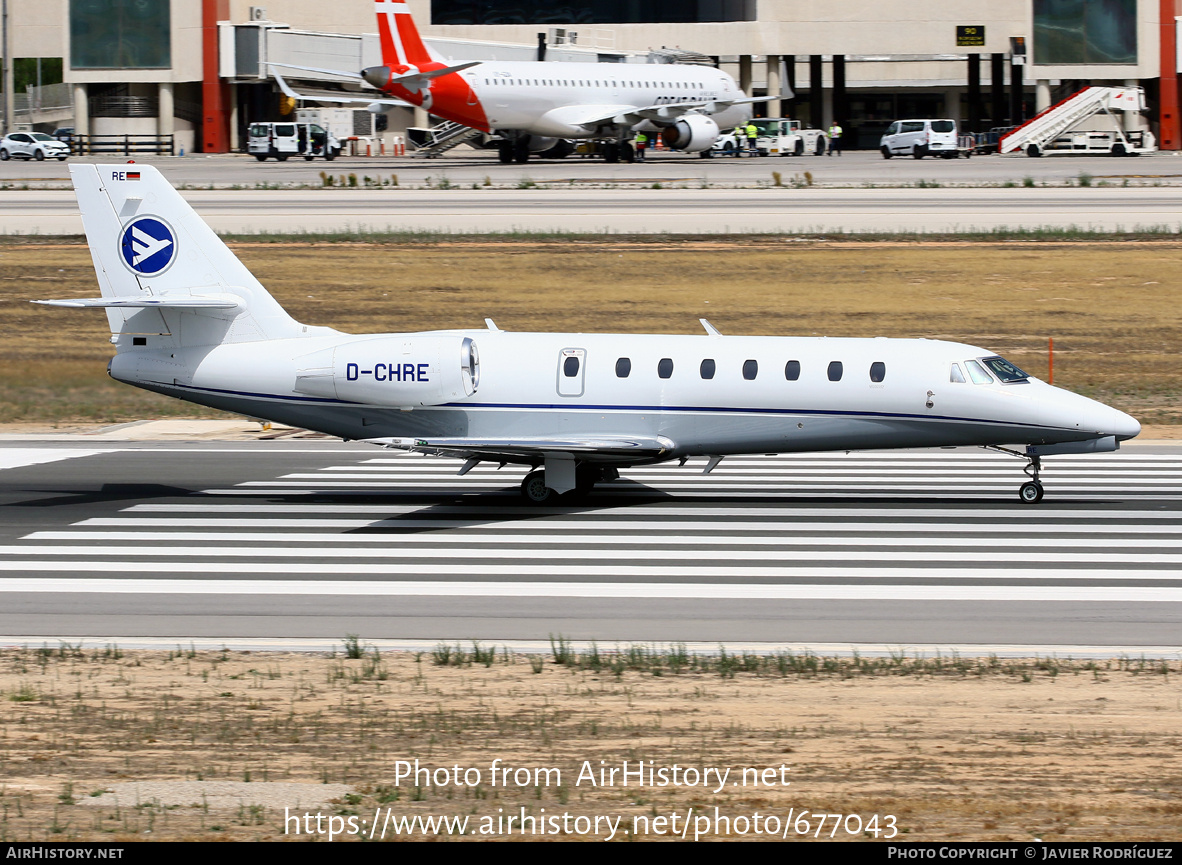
x,y
1095,120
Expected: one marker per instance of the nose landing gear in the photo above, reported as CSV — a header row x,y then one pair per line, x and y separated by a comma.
x,y
1031,492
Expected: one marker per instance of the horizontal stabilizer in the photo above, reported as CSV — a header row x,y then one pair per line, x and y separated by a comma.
x,y
529,449
327,96
206,301
414,80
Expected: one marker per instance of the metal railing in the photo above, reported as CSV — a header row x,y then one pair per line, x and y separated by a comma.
x,y
84,145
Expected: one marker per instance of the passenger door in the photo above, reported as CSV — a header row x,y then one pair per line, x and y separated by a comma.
x,y
571,371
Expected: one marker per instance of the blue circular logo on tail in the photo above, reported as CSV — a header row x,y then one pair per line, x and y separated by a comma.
x,y
148,245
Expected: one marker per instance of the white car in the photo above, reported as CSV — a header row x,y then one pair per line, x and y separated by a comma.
x,y
920,138
33,145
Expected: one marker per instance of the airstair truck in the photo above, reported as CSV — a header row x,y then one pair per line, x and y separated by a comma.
x,y
1093,121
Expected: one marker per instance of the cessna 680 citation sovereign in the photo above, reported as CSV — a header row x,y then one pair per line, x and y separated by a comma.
x,y
189,320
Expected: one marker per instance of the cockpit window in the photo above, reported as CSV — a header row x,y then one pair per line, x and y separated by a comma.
x,y
1004,370
976,373
956,375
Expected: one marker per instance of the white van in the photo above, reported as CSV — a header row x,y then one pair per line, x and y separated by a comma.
x,y
920,138
282,140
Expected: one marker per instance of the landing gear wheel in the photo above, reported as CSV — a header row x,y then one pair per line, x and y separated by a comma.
x,y
611,153
1031,492
521,150
535,490
505,152
627,153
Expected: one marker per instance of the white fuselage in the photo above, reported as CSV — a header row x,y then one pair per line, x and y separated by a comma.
x,y
555,99
525,390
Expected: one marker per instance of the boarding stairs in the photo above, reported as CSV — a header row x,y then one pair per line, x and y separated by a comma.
x,y
1036,135
437,140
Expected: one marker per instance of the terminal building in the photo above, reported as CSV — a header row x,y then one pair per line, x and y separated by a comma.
x,y
197,73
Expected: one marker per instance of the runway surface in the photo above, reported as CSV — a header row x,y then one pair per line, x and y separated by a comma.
x,y
317,540
632,210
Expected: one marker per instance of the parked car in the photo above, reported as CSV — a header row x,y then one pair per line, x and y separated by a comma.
x,y
64,134
32,145
920,138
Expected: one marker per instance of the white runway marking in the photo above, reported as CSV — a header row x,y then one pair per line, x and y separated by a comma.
x,y
12,458
662,591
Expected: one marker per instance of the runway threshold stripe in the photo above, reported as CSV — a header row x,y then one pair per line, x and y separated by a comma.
x,y
1065,557
661,591
1025,513
631,571
782,494
494,523
643,538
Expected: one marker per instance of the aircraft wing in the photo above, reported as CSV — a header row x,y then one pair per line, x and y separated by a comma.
x,y
328,96
517,450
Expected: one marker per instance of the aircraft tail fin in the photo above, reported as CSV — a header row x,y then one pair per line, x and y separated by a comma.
x,y
162,270
401,44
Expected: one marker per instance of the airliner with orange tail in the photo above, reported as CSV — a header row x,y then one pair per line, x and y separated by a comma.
x,y
538,107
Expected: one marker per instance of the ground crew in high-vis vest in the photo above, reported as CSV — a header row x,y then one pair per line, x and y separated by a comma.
x,y
752,133
641,144
835,139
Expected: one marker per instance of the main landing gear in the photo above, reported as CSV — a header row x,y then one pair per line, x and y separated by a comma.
x,y
535,491
1031,492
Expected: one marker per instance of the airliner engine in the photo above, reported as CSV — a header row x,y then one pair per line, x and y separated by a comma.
x,y
393,371
692,133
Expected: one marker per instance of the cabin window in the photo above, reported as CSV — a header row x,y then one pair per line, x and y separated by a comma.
x,y
877,371
956,375
976,373
750,369
570,367
835,370
623,367
792,370
708,367
665,367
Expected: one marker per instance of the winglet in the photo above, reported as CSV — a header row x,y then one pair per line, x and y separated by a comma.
x,y
490,324
710,329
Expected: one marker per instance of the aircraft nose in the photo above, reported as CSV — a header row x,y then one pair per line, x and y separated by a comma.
x,y
1125,426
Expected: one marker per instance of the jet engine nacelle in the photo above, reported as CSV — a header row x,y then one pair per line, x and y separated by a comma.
x,y
692,133
393,371
539,143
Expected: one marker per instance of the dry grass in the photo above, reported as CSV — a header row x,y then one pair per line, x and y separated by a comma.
x,y
1111,308
966,750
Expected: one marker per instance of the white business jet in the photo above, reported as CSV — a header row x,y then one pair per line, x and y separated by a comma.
x,y
538,107
190,321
